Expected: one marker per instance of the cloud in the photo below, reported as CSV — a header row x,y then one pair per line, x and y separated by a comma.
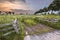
x,y
7,5
7,0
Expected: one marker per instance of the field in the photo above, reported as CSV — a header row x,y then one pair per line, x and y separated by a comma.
x,y
49,22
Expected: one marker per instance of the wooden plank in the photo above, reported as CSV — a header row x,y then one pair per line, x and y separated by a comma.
x,y
8,33
15,27
6,29
4,25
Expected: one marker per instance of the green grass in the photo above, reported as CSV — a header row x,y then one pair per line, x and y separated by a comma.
x,y
55,25
29,20
7,19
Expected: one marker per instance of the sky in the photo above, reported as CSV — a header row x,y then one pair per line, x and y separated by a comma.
x,y
38,4
7,5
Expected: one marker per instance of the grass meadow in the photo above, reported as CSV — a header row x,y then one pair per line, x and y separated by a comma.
x,y
29,20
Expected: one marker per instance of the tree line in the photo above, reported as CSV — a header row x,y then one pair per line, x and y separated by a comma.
x,y
54,6
2,13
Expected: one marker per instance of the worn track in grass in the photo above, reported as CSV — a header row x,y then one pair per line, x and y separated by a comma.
x,y
37,29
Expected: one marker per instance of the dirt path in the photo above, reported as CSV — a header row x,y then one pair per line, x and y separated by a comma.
x,y
54,35
37,29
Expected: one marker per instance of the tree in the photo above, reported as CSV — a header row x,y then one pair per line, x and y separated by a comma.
x,y
0,12
45,9
36,12
13,13
39,11
9,12
51,7
55,5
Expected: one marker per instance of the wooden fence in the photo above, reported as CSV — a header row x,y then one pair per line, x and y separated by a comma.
x,y
14,26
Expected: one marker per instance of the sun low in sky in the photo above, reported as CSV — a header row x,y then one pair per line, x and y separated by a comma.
x,y
7,5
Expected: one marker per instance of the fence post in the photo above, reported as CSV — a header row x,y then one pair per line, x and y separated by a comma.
x,y
15,25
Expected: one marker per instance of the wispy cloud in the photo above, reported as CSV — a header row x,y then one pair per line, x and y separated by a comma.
x,y
7,5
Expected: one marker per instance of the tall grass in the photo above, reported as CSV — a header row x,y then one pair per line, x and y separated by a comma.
x,y
7,19
55,25
29,20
